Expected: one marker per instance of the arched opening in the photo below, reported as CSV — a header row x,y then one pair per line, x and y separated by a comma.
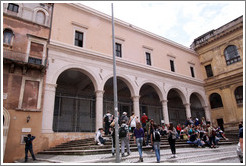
x,y
176,108
215,101
40,17
124,97
74,103
239,94
231,55
8,36
150,104
196,108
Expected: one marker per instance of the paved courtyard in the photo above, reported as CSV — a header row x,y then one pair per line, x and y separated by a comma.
x,y
224,154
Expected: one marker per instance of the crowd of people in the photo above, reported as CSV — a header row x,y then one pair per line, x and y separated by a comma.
x,y
145,132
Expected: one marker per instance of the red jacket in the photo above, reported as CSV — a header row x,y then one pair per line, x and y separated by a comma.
x,y
144,118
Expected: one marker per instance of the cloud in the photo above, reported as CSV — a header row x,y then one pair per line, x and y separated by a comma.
x,y
178,21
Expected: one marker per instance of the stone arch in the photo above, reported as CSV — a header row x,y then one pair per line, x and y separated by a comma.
x,y
6,123
125,79
46,15
154,85
201,97
83,69
197,108
179,91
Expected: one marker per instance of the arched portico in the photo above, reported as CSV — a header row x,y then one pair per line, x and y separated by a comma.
x,y
150,101
178,110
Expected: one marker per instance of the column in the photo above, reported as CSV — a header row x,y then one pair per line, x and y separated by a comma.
x,y
188,111
165,111
207,113
136,106
99,109
48,108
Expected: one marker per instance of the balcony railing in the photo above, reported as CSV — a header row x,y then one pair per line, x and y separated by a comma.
x,y
23,58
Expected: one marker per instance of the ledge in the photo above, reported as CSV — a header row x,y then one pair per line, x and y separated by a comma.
x,y
28,110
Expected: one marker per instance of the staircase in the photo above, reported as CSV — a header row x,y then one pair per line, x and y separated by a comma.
x,y
88,146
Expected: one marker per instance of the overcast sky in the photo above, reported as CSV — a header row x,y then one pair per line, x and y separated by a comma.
x,y
179,21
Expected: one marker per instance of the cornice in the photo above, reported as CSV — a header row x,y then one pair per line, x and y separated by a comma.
x,y
132,27
106,58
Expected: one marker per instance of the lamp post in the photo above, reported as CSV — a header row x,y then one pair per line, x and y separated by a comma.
x,y
115,95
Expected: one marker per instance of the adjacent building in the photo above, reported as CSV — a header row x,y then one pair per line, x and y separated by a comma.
x,y
26,29
221,55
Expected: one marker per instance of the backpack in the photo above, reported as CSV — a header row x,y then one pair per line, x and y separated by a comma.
x,y
122,132
106,119
214,133
156,136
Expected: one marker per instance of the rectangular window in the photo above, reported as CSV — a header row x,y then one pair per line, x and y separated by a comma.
x,y
13,7
192,71
209,71
118,50
79,38
148,58
172,65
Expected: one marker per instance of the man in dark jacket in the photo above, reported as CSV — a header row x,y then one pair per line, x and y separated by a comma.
x,y
28,146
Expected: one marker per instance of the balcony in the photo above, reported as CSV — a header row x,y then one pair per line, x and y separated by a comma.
x,y
21,59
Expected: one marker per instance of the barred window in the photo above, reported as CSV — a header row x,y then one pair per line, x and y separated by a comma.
x,y
231,55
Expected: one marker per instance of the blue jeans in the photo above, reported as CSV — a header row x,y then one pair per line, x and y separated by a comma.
x,y
196,142
157,150
139,142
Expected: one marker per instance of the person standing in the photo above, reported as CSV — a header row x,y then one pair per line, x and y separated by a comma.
x,y
124,117
172,138
155,141
28,147
211,135
138,138
124,137
107,121
132,122
144,118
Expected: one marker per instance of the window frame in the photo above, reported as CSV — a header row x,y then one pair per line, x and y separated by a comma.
x,y
37,40
13,5
12,37
172,66
148,58
75,39
240,98
118,51
229,55
221,105
209,70
192,71
23,83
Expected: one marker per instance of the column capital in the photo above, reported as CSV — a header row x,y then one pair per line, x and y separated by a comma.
x,y
99,93
135,98
205,106
164,101
50,87
187,104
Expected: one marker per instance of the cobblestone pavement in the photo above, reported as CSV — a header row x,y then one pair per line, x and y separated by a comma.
x,y
223,154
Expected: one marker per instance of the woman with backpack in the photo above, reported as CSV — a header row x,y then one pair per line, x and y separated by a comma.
x,y
172,133
155,141
139,138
